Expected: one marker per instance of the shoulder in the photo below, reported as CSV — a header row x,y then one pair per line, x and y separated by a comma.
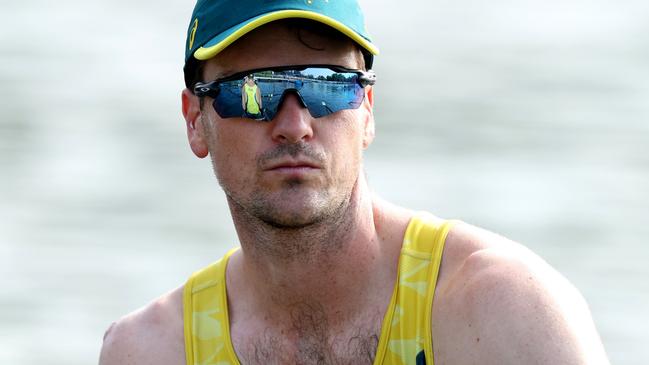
x,y
151,335
508,305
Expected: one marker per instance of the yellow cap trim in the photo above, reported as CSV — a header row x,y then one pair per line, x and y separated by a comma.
x,y
193,34
203,53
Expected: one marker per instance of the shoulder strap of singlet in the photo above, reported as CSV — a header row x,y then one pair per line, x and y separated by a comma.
x,y
406,336
205,315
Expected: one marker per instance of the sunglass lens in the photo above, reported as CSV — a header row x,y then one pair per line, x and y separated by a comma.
x,y
258,96
228,102
326,91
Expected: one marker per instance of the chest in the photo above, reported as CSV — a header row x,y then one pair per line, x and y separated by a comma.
x,y
308,338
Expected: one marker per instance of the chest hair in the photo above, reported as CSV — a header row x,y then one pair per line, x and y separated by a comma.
x,y
309,339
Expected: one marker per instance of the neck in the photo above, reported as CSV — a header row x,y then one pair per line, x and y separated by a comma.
x,y
336,260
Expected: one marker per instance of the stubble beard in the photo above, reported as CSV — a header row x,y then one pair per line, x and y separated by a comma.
x,y
319,207
297,206
295,203
307,234
299,221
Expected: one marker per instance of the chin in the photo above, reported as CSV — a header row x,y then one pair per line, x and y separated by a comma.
x,y
296,222
298,210
293,215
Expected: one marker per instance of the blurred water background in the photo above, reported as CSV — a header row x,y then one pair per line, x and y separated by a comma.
x,y
527,117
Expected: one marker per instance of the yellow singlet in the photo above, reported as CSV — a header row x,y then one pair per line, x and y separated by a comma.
x,y
406,330
251,106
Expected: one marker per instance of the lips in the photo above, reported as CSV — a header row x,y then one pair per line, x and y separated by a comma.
x,y
292,164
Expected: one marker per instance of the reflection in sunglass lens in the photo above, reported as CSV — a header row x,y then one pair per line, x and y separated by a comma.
x,y
259,95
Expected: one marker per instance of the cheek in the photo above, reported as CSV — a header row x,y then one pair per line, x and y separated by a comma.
x,y
232,153
347,146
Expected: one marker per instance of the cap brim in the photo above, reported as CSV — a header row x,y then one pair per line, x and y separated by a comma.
x,y
226,38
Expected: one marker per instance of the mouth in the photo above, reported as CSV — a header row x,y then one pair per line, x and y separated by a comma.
x,y
293,166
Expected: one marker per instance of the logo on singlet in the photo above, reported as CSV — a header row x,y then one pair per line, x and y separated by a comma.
x,y
421,358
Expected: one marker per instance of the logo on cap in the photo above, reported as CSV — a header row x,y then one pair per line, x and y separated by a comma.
x,y
193,34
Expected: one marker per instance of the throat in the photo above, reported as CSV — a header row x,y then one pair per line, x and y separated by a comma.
x,y
341,282
304,244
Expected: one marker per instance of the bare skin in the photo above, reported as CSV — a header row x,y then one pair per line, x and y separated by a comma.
x,y
315,288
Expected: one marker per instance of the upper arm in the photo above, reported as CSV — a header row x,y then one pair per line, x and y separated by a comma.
x,y
152,335
121,345
510,307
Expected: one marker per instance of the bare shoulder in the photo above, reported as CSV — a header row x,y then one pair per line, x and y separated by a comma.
x,y
508,306
151,335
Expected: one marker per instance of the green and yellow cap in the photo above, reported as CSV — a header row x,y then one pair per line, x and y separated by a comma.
x,y
216,24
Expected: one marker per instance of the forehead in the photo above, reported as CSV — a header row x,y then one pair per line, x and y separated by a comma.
x,y
284,43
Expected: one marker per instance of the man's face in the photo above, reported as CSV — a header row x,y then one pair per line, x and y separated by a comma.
x,y
294,170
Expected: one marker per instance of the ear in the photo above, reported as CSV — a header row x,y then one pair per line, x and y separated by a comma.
x,y
368,128
192,112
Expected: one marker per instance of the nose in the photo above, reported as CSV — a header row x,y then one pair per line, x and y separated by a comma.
x,y
293,122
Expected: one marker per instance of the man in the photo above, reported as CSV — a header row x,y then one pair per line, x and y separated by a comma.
x,y
328,273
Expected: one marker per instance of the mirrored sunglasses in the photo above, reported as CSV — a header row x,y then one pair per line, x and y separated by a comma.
x,y
258,94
